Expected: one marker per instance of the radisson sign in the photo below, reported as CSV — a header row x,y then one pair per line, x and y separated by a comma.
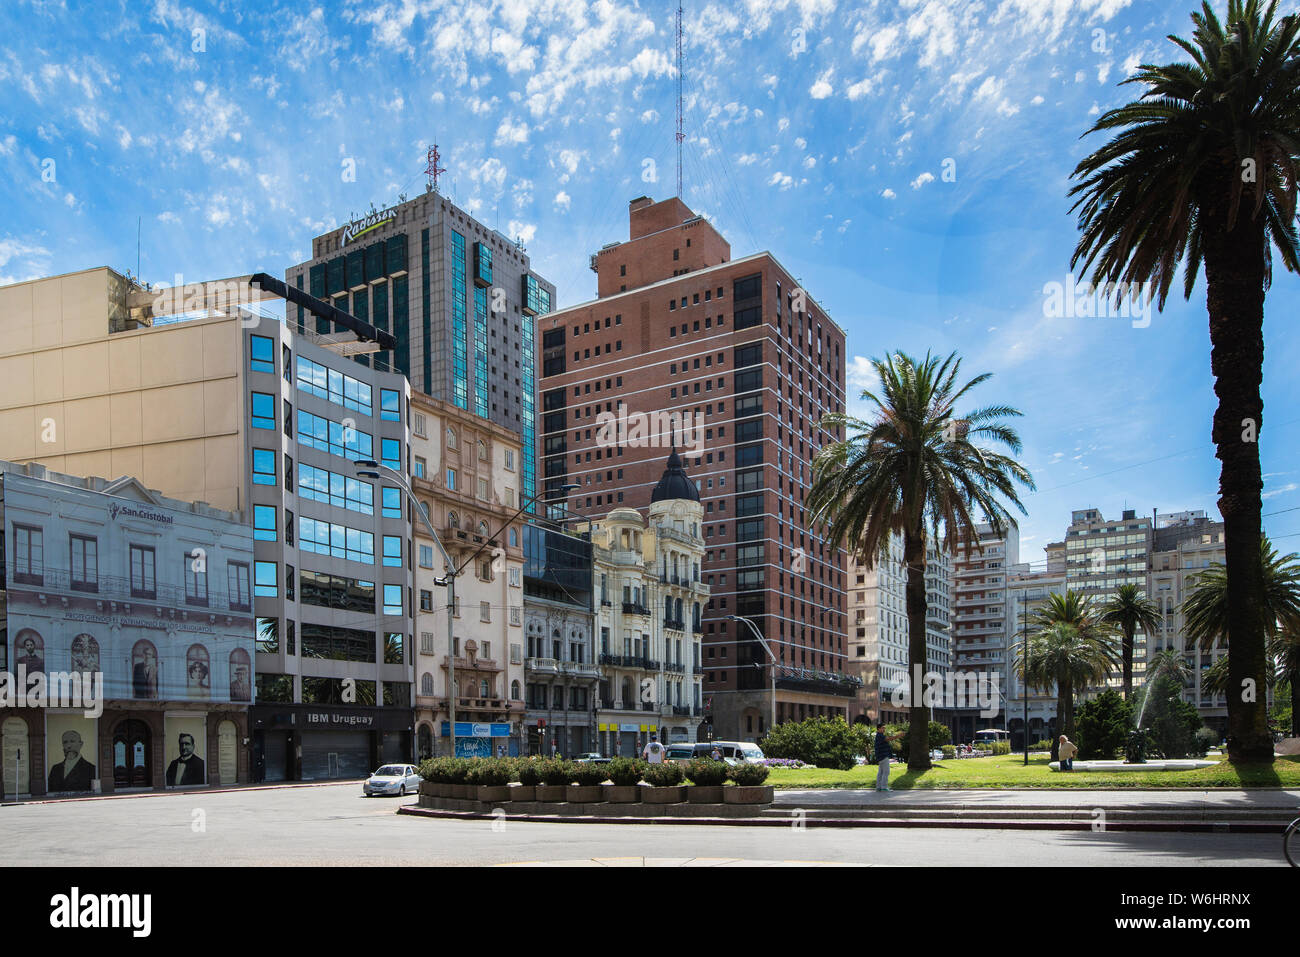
x,y
372,220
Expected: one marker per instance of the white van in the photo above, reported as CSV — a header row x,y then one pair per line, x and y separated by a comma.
x,y
733,752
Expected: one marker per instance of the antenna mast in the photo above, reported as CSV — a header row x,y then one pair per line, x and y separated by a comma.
x,y
680,135
433,169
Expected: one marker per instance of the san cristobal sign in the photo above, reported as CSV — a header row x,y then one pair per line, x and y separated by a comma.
x,y
372,220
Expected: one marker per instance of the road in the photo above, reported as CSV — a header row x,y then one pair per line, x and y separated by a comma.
x,y
335,825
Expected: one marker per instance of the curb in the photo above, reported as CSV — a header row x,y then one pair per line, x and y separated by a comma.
x,y
1226,827
174,792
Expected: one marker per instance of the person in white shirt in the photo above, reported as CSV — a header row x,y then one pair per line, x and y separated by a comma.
x,y
653,751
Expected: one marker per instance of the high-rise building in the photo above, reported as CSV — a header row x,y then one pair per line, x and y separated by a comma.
x,y
735,364
460,300
878,635
1027,591
200,396
981,617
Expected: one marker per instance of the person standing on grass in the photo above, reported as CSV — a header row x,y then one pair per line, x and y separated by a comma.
x,y
1067,751
884,753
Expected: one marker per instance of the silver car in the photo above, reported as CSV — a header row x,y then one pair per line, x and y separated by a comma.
x,y
396,779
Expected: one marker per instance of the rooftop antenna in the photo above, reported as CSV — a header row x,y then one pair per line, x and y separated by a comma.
x,y
432,170
137,248
680,135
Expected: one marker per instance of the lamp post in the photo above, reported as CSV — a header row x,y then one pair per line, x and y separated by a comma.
x,y
369,468
1024,685
766,647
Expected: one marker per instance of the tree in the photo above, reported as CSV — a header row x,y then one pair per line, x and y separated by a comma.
x,y
825,742
1128,610
910,470
1071,658
1205,614
1202,170
1170,722
1104,724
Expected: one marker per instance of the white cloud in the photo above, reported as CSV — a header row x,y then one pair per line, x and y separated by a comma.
x,y
783,180
562,200
510,132
809,162
922,180
747,159
888,193
800,142
822,88
524,232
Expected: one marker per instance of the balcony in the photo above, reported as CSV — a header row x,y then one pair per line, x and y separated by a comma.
x,y
682,710
630,661
546,666
125,591
674,668
478,664
631,608
675,624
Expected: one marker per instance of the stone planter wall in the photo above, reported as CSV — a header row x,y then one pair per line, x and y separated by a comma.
x,y
583,794
669,795
621,794
523,792
550,792
708,794
762,794
493,794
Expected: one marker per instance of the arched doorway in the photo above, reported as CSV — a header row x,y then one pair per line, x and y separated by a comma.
x,y
13,735
426,742
132,755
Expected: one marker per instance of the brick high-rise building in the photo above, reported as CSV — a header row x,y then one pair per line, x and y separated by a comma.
x,y
733,362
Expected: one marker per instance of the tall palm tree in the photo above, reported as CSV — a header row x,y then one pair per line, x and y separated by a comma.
x,y
1077,610
1128,610
1071,658
913,468
1202,169
1206,619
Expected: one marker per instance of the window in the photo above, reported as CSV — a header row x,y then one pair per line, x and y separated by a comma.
x,y
143,582
510,460
339,541
261,354
237,586
484,611
288,472
391,453
266,580
390,406
268,635
393,551
395,654
333,437
29,555
264,523
426,600
451,480
426,556
315,379
263,467
84,564
392,502
420,466
196,578
392,599
483,488
263,410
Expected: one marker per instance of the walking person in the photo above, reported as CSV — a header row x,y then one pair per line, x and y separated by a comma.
x,y
884,753
1067,751
654,751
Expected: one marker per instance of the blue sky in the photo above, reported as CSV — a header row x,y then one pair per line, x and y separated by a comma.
x,y
820,130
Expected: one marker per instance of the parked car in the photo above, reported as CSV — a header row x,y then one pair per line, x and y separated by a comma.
x,y
591,757
392,779
936,755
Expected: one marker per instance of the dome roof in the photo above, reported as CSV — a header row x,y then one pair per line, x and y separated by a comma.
x,y
674,484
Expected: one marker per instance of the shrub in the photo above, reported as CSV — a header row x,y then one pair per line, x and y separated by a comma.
x,y
666,775
949,751
1103,725
489,772
1203,740
785,763
625,772
430,769
1001,747
824,742
706,772
528,773
899,737
456,770
1043,745
556,772
588,774
748,775
1169,721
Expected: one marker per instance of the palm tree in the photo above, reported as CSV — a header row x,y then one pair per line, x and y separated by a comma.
x,y
1206,618
1128,610
1069,608
1071,658
1202,169
911,468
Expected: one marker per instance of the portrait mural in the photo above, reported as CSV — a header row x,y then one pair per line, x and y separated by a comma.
x,y
198,672
185,751
85,654
29,651
241,672
144,671
70,744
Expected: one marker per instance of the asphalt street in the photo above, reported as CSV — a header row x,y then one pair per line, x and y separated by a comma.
x,y
335,825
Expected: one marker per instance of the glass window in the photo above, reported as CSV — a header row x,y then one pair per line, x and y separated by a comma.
x,y
263,467
392,502
264,523
263,410
392,599
29,555
390,406
426,556
85,563
393,551
237,586
143,581
391,453
196,578
261,354
451,480
266,580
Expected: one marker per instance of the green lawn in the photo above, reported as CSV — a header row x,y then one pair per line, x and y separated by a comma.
x,y
1009,771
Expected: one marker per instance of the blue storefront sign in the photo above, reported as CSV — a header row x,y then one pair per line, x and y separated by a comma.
x,y
466,729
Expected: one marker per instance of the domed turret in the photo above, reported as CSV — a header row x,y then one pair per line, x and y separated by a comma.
x,y
674,484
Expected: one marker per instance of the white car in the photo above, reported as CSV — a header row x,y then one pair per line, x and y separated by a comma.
x,y
392,779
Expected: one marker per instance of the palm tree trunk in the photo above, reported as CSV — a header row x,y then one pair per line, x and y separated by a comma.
x,y
918,747
1127,646
1295,703
1234,271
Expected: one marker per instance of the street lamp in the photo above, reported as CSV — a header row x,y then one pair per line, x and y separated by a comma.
x,y
768,648
369,468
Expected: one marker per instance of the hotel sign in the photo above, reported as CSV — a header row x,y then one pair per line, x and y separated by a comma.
x,y
356,228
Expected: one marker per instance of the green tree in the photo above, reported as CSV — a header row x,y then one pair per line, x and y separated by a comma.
x,y
1128,610
1206,617
1202,169
825,742
915,467
1170,722
1071,657
1103,724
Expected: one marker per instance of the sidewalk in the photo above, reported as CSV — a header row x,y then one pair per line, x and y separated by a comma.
x,y
167,792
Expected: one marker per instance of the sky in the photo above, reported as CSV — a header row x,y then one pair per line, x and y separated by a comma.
x,y
907,160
